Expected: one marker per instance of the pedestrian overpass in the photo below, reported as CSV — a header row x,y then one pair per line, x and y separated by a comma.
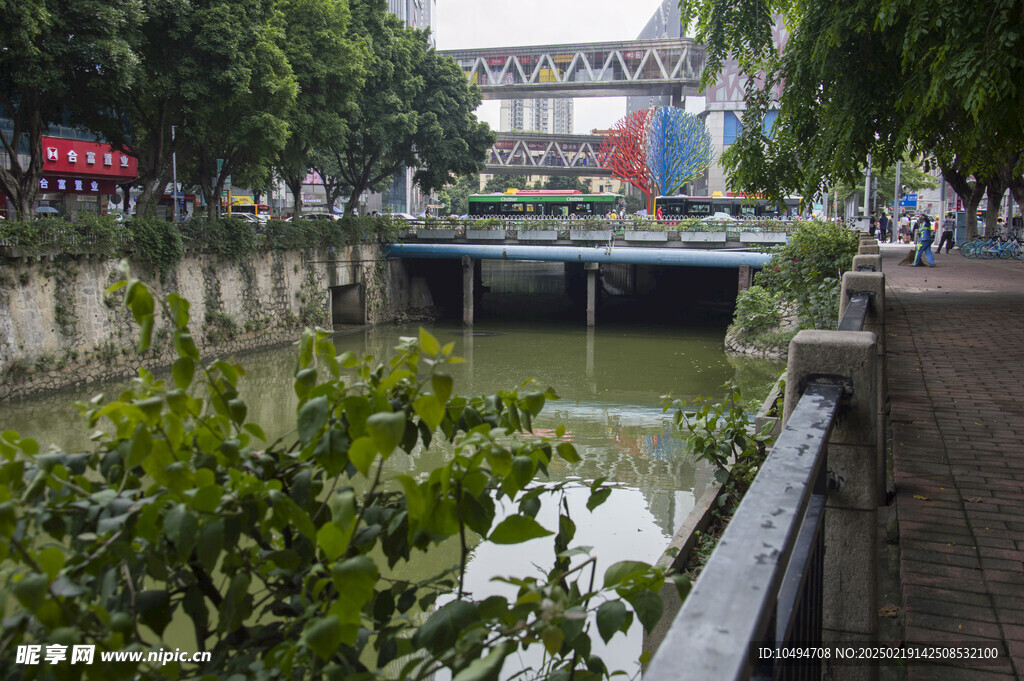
x,y
662,67
537,153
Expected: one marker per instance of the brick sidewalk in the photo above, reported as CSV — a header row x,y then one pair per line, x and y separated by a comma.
x,y
956,385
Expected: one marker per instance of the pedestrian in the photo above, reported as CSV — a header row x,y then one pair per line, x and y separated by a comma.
x,y
1002,230
658,214
905,228
947,234
924,242
872,225
883,228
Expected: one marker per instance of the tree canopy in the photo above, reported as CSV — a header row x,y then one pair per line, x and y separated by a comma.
x,y
500,183
566,182
414,110
455,196
329,66
59,62
870,77
247,86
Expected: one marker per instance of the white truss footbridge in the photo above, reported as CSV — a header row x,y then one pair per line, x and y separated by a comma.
x,y
533,153
663,67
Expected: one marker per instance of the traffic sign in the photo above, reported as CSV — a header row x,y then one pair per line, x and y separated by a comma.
x,y
909,201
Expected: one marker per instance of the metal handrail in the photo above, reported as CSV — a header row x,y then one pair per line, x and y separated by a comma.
x,y
735,602
763,584
856,312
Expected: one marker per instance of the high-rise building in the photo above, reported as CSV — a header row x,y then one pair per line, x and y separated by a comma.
x,y
664,23
415,13
537,115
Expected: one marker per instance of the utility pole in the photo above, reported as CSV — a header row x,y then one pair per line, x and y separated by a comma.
x,y
867,189
174,174
896,191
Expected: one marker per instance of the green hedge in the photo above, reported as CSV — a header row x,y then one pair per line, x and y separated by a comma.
x,y
160,243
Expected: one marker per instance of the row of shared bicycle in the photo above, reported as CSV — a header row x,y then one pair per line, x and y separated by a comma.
x,y
993,247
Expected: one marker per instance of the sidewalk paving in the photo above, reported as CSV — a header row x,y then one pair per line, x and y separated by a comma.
x,y
956,386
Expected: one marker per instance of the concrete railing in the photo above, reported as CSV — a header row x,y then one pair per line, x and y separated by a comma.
x,y
795,568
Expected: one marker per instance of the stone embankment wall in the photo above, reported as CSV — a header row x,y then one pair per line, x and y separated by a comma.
x,y
59,328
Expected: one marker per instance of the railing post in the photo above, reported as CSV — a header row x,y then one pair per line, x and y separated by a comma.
x,y
872,283
869,247
870,262
849,596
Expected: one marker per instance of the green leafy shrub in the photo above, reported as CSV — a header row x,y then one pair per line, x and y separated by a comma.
x,y
817,254
285,558
157,242
100,234
757,312
723,435
230,237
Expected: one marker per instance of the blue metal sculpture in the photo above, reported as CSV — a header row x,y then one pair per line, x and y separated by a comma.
x,y
678,148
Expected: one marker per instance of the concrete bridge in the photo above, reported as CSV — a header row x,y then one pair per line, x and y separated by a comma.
x,y
593,261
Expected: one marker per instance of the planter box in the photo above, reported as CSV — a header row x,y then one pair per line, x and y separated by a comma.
x,y
705,237
436,233
485,234
590,235
646,236
537,235
763,237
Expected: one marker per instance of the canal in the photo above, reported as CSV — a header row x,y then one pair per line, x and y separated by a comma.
x,y
611,381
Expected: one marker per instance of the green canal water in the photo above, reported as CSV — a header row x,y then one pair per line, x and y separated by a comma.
x,y
611,381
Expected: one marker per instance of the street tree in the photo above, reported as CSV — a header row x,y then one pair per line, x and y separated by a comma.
x,y
328,64
566,182
455,196
500,183
58,60
912,179
869,77
623,150
325,165
235,114
678,148
163,42
414,110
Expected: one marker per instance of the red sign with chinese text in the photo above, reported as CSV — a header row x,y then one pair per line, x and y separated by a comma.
x,y
49,184
86,159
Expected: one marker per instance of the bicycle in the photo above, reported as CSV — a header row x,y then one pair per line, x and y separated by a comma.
x,y
993,247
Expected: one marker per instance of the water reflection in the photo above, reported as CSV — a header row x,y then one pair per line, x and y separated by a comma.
x,y
610,379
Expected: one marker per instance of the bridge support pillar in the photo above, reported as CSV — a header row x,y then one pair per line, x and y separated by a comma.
x,y
746,278
591,269
468,279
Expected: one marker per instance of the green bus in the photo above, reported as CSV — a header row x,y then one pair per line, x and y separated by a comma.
x,y
544,203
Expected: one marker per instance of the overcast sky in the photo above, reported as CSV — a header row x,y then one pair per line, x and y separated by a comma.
x,y
462,24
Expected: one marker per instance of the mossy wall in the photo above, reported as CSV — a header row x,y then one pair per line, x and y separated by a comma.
x,y
59,327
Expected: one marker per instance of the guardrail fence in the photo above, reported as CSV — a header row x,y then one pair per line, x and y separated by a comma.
x,y
795,568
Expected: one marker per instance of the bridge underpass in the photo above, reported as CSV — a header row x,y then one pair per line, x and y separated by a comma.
x,y
635,284
662,67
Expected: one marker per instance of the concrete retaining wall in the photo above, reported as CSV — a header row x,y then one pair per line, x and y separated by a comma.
x,y
59,327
